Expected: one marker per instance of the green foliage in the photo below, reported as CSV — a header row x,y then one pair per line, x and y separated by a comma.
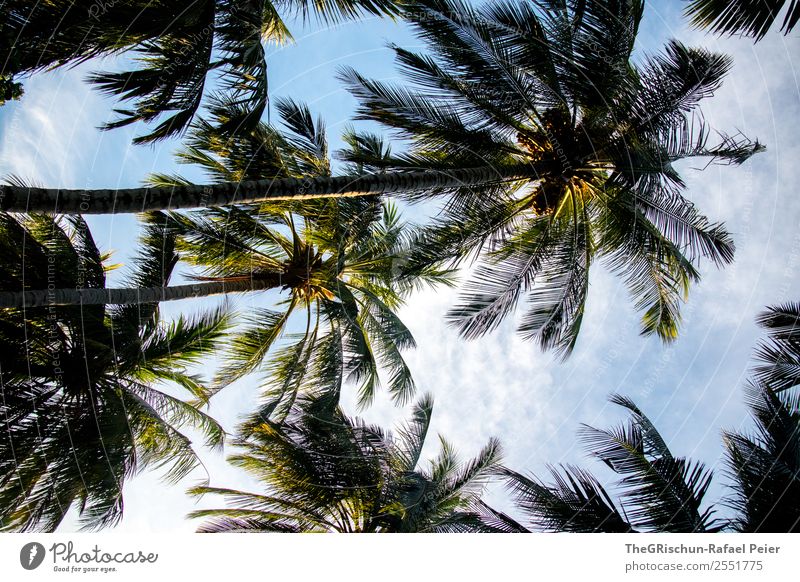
x,y
765,465
177,46
336,260
778,358
325,472
658,492
83,408
551,85
9,90
751,18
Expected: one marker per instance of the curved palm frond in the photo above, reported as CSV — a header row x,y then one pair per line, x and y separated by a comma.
x,y
657,492
779,357
576,502
751,18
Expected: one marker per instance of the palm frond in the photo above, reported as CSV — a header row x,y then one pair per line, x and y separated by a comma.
x,y
778,357
748,17
575,502
765,467
664,493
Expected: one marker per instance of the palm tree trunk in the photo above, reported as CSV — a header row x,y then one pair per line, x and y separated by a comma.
x,y
129,200
53,297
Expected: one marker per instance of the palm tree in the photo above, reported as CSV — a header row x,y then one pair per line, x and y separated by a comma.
x,y
83,399
552,147
508,70
553,83
751,18
175,45
658,491
335,259
765,467
325,472
663,493
337,279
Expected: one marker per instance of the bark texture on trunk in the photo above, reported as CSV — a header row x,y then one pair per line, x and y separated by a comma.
x,y
55,297
131,200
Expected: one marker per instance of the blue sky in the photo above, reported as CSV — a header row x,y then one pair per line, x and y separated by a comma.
x,y
498,385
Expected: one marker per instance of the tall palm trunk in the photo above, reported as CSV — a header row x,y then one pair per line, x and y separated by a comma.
x,y
129,200
134,296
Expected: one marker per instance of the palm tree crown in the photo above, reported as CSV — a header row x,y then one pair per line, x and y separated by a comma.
x,y
551,86
765,465
662,493
336,259
326,472
82,408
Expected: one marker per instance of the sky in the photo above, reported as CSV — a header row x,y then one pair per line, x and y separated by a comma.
x,y
498,385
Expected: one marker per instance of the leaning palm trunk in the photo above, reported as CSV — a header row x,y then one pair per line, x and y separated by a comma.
x,y
133,296
15,198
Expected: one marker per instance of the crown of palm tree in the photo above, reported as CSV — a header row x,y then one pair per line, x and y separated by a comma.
x,y
323,471
176,46
658,491
662,493
82,406
765,466
336,258
551,85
